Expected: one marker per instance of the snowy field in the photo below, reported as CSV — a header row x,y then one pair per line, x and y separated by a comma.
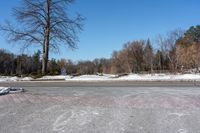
x,y
109,77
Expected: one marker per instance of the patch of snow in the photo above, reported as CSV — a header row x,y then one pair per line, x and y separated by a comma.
x,y
14,79
8,79
187,77
89,78
110,77
182,131
178,114
16,90
161,77
146,77
27,79
4,90
58,77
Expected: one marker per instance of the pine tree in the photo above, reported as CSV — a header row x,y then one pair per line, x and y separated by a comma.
x,y
148,56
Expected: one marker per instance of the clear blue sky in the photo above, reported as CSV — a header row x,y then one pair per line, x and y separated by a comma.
x,y
111,23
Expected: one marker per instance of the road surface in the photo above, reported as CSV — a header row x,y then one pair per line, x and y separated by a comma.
x,y
103,107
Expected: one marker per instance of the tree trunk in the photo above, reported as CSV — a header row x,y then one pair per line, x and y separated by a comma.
x,y
151,65
46,40
43,60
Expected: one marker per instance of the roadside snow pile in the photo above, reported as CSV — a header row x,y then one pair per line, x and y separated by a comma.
x,y
90,78
6,90
107,75
79,78
59,77
138,77
146,77
188,77
110,77
8,79
27,79
13,79
161,77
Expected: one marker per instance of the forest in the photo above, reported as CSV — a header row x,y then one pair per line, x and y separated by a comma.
x,y
177,51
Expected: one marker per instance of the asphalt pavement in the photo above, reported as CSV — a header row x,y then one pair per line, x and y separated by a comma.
x,y
101,107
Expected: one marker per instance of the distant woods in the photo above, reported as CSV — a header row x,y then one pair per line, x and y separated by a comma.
x,y
177,51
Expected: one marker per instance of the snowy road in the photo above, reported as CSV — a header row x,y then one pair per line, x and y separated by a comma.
x,y
92,108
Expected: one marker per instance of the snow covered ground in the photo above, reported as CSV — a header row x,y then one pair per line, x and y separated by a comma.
x,y
161,77
11,79
6,90
110,77
57,77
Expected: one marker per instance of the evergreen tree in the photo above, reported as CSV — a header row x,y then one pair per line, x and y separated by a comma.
x,y
148,56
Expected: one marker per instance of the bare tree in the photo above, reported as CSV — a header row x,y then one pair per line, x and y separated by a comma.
x,y
44,22
168,46
135,51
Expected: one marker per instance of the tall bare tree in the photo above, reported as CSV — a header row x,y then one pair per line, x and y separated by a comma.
x,y
168,46
135,51
44,22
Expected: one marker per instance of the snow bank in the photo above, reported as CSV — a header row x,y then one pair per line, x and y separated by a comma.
x,y
8,79
139,77
6,90
13,79
110,77
161,77
90,78
27,79
58,77
146,77
79,78
187,77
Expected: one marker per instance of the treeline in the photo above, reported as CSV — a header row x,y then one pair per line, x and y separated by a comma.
x,y
18,65
174,52
177,51
25,65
